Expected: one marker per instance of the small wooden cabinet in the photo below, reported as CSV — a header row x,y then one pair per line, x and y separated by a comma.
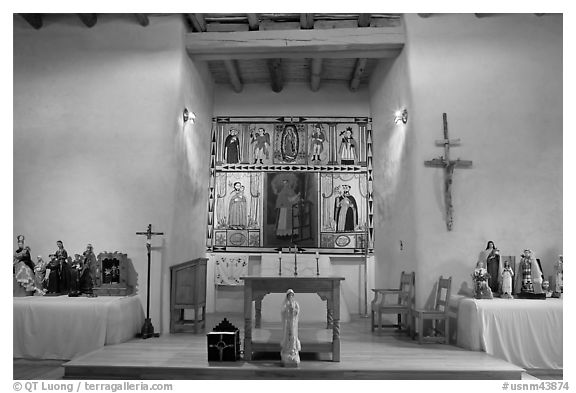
x,y
188,291
112,270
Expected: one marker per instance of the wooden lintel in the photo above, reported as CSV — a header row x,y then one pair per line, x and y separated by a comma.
x,y
364,20
304,43
88,19
306,21
358,71
142,19
34,20
197,21
276,76
315,73
424,15
253,22
233,76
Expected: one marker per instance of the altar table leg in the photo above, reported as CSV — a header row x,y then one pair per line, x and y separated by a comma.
x,y
258,313
329,313
336,341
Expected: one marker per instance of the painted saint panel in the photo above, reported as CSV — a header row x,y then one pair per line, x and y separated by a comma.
x,y
290,144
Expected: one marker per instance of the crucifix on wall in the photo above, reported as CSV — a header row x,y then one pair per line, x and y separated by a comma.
x,y
449,166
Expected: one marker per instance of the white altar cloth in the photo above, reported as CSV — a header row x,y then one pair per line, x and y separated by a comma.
x,y
62,327
527,333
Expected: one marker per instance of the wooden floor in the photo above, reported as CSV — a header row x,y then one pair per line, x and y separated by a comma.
x,y
364,355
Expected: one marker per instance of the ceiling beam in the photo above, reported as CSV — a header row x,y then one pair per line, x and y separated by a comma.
x,y
364,20
35,20
369,43
233,76
358,71
306,21
253,22
424,15
197,21
315,73
276,76
89,19
142,19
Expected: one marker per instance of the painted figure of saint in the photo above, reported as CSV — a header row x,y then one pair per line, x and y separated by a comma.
x,y
237,208
507,276
290,344
317,142
559,275
24,268
345,211
261,142
64,269
289,143
347,150
232,147
284,201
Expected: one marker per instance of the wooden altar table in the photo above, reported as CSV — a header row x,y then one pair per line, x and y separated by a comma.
x,y
328,288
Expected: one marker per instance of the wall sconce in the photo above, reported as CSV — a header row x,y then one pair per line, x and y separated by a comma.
x,y
401,116
188,116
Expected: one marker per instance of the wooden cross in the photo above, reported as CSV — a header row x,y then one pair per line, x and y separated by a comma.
x,y
449,166
149,235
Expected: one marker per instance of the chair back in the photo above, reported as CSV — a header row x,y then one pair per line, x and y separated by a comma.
x,y
407,289
443,294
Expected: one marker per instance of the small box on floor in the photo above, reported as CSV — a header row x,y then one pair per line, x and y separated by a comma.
x,y
224,343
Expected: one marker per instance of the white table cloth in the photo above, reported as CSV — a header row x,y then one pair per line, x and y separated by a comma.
x,y
527,333
62,327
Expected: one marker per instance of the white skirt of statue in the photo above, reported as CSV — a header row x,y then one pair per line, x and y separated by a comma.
x,y
290,345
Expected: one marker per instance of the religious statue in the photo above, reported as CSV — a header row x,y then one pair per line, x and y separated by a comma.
x,y
347,148
88,271
507,279
261,142
290,344
53,275
237,208
286,197
491,257
531,273
40,272
559,275
23,268
317,142
74,268
480,278
345,210
64,269
232,147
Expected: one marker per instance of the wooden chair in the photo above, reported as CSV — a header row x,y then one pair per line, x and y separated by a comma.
x,y
440,313
405,295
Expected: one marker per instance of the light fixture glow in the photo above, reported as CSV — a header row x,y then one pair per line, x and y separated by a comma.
x,y
188,116
401,116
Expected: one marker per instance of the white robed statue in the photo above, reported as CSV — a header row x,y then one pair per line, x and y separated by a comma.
x,y
290,345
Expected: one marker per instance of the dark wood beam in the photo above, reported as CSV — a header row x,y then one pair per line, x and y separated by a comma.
x,y
35,20
306,21
276,76
424,15
142,19
358,71
364,20
253,22
197,21
315,73
233,76
89,19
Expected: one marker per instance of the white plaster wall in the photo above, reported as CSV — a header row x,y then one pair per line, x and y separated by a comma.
x,y
499,79
99,146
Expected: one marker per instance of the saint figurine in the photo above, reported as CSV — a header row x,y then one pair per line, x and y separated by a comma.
x,y
317,142
526,270
64,269
23,268
237,208
87,273
40,272
53,275
345,211
559,275
491,257
481,277
290,344
261,142
232,147
347,148
507,279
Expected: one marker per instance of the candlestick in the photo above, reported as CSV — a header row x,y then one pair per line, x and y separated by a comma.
x,y
279,263
317,268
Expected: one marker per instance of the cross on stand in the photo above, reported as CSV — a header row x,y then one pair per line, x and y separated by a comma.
x,y
147,329
449,166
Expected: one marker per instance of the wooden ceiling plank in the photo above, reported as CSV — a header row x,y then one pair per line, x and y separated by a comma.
x,y
295,41
34,20
233,76
364,20
89,20
315,73
358,71
226,27
253,22
339,54
142,19
197,21
276,76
